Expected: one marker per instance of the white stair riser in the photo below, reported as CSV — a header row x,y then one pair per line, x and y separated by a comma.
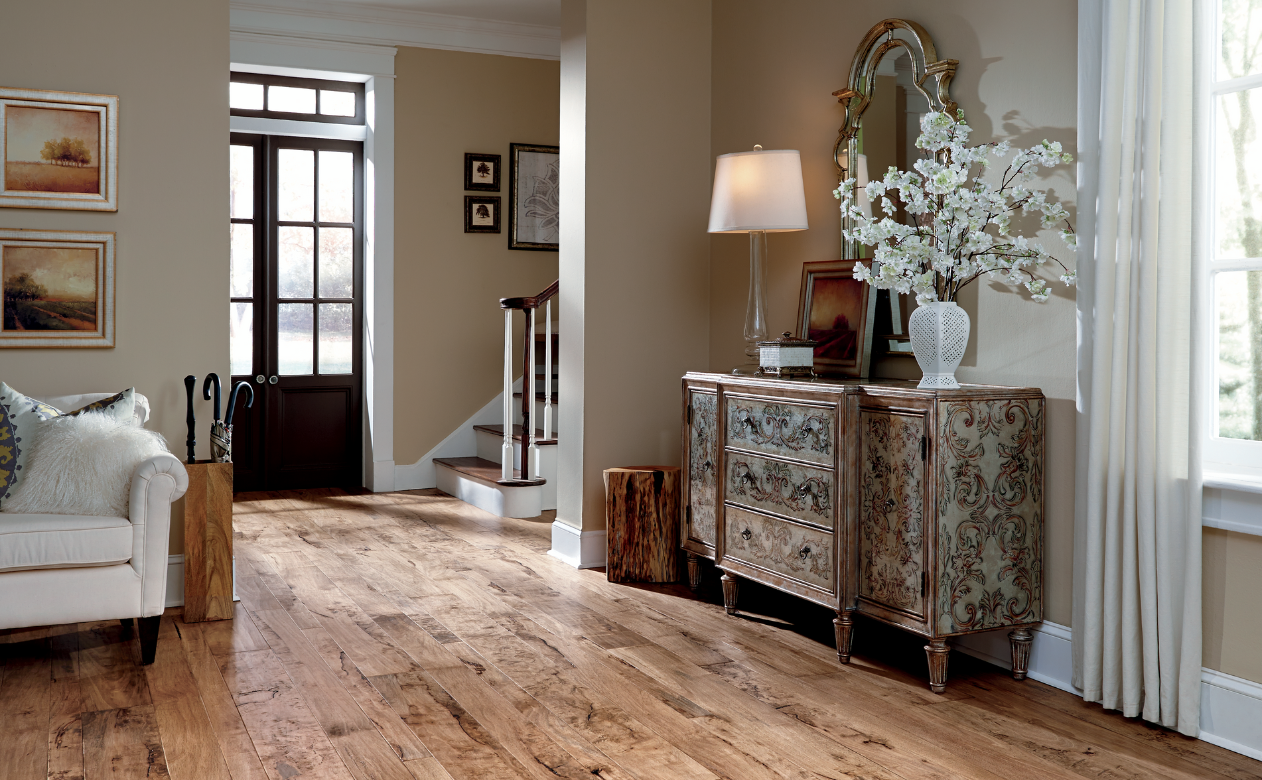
x,y
488,496
538,412
489,448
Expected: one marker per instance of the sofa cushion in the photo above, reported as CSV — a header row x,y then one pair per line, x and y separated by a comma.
x,y
62,541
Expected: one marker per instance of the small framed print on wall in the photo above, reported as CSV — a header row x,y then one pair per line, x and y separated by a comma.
x,y
534,200
60,150
56,289
482,172
481,213
837,312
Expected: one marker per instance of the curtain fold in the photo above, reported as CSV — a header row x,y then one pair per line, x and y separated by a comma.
x,y
1137,545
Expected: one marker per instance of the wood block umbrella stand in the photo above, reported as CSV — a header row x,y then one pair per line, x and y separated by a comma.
x,y
642,520
208,542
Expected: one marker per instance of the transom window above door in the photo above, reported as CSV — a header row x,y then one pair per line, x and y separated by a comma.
x,y
284,97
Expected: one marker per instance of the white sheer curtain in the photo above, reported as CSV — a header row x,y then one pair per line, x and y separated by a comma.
x,y
1137,546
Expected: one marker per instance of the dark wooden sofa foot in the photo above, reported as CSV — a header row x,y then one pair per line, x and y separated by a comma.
x,y
149,638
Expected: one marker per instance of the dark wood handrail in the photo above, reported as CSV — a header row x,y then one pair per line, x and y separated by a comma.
x,y
527,305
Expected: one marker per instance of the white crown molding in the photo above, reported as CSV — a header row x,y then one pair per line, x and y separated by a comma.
x,y
367,24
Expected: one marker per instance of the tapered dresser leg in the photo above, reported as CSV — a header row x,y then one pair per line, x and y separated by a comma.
x,y
731,586
844,625
694,571
1021,640
938,653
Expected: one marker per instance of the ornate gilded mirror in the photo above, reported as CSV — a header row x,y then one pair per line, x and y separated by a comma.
x,y
895,78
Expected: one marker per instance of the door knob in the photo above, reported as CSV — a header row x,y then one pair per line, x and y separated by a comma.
x,y
260,379
273,380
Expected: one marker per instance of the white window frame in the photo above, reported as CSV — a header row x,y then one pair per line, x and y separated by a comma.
x,y
1227,463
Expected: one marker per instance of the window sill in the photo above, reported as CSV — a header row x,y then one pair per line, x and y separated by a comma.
x,y
1232,502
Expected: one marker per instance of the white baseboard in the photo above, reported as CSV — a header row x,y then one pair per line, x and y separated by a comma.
x,y
461,443
1231,707
580,549
175,581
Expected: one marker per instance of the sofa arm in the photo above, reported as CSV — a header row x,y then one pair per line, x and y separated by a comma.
x,y
155,485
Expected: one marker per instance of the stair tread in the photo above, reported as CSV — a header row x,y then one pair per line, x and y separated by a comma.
x,y
498,430
480,468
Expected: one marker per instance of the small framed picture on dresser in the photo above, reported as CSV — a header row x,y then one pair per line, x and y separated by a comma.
x,y
837,311
481,213
482,172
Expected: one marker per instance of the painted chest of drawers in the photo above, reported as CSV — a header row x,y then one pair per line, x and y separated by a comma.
x,y
919,508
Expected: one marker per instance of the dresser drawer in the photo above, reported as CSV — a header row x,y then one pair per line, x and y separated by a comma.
x,y
801,492
788,430
803,554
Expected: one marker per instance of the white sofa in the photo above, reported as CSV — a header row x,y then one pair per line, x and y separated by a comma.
x,y
57,569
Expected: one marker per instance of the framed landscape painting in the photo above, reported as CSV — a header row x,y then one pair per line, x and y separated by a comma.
x,y
56,289
60,150
837,311
534,204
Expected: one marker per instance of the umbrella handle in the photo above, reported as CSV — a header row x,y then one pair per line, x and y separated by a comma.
x,y
190,382
212,379
232,400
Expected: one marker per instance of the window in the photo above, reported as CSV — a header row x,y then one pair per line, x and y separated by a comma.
x,y
1232,238
308,100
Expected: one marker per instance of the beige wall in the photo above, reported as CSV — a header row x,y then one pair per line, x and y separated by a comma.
x,y
1232,581
773,75
448,327
168,64
635,256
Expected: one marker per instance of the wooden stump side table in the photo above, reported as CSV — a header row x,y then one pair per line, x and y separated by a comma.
x,y
208,542
642,519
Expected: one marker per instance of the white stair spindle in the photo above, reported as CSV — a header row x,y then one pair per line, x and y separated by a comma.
x,y
547,372
506,453
528,433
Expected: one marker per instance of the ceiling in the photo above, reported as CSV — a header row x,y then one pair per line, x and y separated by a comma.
x,y
546,13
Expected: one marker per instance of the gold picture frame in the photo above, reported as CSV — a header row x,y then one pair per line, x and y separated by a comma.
x,y
56,289
838,312
59,150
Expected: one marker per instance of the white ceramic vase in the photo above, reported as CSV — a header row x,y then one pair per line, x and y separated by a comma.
x,y
939,334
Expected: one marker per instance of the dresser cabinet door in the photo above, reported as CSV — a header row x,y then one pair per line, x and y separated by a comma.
x,y
703,481
989,457
892,511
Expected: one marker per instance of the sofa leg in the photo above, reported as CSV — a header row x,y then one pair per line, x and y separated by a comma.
x,y
126,623
149,638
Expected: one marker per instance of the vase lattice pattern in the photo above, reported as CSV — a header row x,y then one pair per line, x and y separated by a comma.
x,y
939,335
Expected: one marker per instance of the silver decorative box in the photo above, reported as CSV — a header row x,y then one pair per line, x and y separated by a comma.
x,y
786,357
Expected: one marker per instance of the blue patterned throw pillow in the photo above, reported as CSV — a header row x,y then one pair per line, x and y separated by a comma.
x,y
21,417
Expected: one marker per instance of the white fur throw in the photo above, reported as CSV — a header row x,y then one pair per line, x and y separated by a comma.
x,y
83,466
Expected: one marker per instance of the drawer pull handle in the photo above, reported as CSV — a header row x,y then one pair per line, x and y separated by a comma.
x,y
805,551
707,466
746,534
748,421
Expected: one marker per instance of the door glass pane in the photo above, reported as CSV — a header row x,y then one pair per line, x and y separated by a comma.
x,y
335,338
294,345
295,272
294,100
242,261
241,193
241,339
337,103
1238,174
296,181
1241,24
337,187
247,96
337,254
1238,301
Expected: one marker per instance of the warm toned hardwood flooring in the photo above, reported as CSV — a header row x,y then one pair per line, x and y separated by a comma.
x,y
409,635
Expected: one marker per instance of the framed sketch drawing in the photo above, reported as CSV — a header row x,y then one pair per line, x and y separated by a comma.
x,y
482,172
534,205
837,311
481,213
60,150
56,289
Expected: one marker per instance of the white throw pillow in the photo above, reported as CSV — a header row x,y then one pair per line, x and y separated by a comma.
x,y
83,466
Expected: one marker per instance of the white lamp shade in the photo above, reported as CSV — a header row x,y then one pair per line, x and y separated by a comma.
x,y
759,190
862,201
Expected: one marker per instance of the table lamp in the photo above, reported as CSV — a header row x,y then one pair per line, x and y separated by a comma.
x,y
757,192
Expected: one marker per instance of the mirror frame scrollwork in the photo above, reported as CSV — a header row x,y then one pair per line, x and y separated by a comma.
x,y
858,94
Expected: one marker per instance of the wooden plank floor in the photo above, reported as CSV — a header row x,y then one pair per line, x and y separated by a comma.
x,y
409,635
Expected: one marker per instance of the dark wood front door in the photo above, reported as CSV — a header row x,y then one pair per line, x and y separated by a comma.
x,y
297,311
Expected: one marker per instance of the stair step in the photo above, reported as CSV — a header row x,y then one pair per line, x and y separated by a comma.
x,y
480,468
498,431
538,396
476,481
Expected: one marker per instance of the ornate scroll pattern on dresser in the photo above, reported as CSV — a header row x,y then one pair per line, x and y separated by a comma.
x,y
795,551
787,430
702,468
800,492
990,514
891,510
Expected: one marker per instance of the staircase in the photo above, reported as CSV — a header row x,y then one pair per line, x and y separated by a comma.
x,y
514,475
